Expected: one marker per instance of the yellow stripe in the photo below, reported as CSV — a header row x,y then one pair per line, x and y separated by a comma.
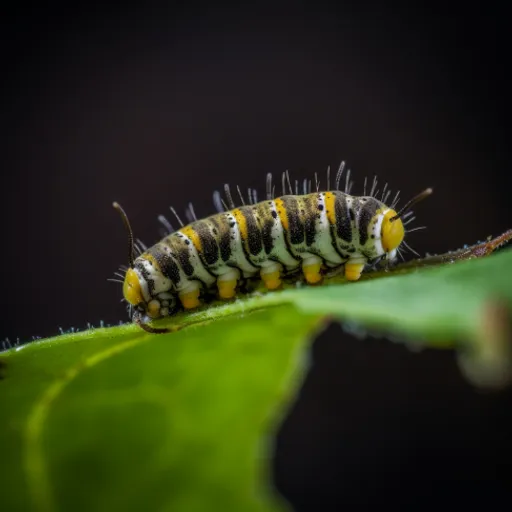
x,y
281,210
329,200
242,223
192,235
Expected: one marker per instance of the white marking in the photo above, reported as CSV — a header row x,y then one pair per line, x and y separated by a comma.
x,y
323,240
237,257
279,248
377,241
311,260
161,283
231,274
269,267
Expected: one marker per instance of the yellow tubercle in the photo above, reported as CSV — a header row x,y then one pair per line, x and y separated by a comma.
x,y
272,280
131,288
312,273
227,289
353,271
190,300
153,309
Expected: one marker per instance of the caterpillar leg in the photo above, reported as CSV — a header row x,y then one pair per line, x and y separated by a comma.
x,y
271,276
227,284
311,269
354,269
154,308
190,296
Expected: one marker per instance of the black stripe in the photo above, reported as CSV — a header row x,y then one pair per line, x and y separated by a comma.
x,y
254,238
209,248
295,225
167,264
310,216
145,274
221,223
181,251
342,214
366,214
266,233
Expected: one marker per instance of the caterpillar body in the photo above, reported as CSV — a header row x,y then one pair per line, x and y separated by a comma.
x,y
268,239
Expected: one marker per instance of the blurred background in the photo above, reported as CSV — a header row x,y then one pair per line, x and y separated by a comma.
x,y
159,106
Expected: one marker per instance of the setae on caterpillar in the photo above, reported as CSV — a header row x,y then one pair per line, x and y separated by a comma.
x,y
306,232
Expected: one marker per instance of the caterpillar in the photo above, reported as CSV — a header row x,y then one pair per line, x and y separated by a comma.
x,y
308,232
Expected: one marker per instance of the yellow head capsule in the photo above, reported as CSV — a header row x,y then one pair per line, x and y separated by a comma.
x,y
131,288
392,231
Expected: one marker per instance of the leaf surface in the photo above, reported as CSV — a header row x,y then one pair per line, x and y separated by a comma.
x,y
117,418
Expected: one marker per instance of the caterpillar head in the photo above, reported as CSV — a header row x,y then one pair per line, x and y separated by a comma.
x,y
153,300
392,228
132,289
147,289
392,231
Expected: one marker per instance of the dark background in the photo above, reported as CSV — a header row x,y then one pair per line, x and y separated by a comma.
x,y
158,106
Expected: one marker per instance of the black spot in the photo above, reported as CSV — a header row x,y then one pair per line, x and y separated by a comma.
x,y
320,207
232,224
187,242
274,214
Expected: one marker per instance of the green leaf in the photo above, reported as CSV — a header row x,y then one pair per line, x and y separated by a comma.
x,y
120,419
